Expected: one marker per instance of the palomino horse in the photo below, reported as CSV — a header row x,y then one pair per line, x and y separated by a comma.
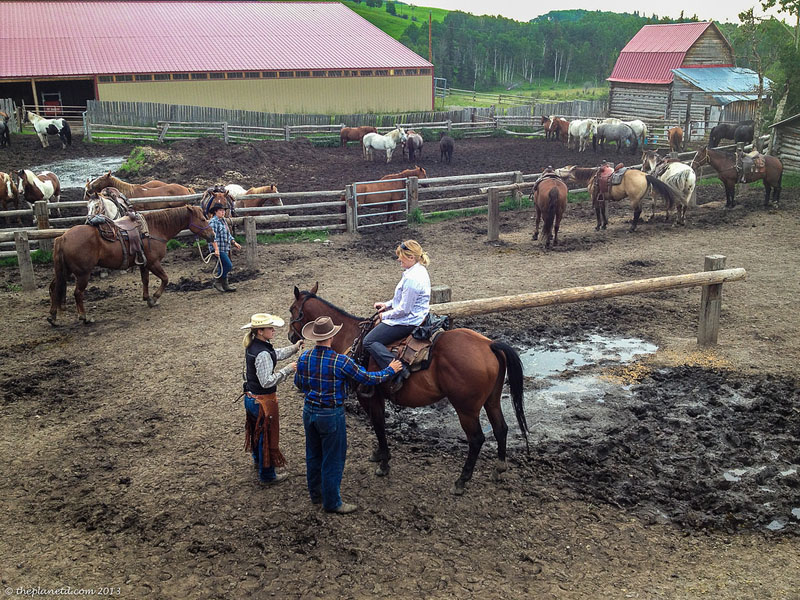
x,y
413,145
82,248
354,134
390,190
466,368
33,188
550,200
724,163
151,189
9,194
254,202
388,142
675,137
579,131
43,127
109,202
634,185
678,176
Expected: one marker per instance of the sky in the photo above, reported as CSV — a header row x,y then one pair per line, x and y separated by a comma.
x,y
523,10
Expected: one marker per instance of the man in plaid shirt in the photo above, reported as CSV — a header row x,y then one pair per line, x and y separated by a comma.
x,y
322,375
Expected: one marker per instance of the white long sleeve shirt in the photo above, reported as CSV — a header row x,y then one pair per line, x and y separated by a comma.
x,y
412,298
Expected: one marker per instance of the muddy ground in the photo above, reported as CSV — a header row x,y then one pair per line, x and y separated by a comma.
x,y
123,458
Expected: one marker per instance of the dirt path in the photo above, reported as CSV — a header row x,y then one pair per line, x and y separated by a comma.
x,y
123,452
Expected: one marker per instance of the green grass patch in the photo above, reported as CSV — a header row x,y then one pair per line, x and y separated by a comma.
x,y
13,287
175,244
135,162
38,257
291,237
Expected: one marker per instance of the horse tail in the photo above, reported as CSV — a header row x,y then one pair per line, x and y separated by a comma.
x,y
58,287
662,188
514,372
67,132
551,210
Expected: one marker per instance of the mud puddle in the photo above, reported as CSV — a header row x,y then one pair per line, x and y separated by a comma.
x,y
73,172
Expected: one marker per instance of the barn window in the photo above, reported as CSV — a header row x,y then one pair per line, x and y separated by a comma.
x,y
424,71
269,74
105,78
334,73
353,73
199,75
161,76
380,72
365,73
252,75
411,71
235,75
143,77
319,73
286,73
217,75
124,77
180,76
303,73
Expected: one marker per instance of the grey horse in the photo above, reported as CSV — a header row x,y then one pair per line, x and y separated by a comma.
x,y
615,132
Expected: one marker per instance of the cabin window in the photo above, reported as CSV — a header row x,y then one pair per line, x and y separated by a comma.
x,y
180,76
199,75
161,76
143,77
269,74
286,73
217,75
124,77
105,78
235,75
252,75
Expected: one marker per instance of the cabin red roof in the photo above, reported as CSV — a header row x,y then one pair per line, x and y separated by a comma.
x,y
655,50
88,38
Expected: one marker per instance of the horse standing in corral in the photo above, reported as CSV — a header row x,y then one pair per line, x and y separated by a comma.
x,y
725,164
550,200
235,190
216,194
559,129
675,138
546,122
82,248
679,176
255,202
44,186
98,184
45,127
131,191
9,194
639,127
109,202
413,145
388,142
579,131
615,132
5,131
393,188
465,367
446,145
727,131
354,134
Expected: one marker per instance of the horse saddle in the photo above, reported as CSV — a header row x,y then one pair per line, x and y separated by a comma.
x,y
543,177
415,349
753,163
604,179
128,231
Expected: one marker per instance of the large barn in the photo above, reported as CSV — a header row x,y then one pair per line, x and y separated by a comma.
x,y
662,64
284,57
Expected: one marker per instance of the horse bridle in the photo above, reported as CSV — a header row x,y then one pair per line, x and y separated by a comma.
x,y
199,228
292,323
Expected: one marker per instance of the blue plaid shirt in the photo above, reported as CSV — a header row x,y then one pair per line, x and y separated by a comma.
x,y
322,375
221,233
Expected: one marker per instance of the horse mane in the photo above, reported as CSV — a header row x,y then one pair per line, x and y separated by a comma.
x,y
167,218
333,306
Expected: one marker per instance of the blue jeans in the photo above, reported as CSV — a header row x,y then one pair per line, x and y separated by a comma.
x,y
225,265
264,473
326,449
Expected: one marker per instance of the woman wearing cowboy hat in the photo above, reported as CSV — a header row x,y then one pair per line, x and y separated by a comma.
x,y
322,375
260,401
222,247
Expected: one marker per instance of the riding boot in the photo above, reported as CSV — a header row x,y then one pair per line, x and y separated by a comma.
x,y
225,285
218,284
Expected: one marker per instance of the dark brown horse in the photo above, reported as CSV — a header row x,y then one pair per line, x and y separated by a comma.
x,y
466,368
675,137
82,248
354,134
725,164
550,201
546,125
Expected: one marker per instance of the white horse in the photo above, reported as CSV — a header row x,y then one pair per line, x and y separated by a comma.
x,y
388,142
235,190
679,176
109,202
639,128
580,130
43,127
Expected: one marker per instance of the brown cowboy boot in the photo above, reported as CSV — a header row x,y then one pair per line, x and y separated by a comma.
x,y
225,285
218,284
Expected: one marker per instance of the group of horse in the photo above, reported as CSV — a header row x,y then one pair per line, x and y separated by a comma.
x,y
24,187
410,141
577,133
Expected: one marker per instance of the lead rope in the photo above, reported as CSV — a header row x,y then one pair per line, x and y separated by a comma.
x,y
207,259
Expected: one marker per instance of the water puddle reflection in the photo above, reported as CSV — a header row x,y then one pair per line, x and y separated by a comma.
x,y
73,172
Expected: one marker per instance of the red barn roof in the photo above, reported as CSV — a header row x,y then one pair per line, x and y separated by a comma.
x,y
88,38
655,50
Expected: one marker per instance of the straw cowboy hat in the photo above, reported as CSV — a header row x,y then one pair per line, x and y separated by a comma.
x,y
259,320
321,329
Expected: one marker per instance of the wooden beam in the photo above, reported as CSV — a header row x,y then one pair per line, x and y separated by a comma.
x,y
469,308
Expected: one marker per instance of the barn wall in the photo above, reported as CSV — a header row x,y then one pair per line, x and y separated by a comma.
x,y
638,100
787,146
678,106
311,95
710,49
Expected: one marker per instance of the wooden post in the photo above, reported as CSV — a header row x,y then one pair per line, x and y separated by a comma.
x,y
287,133
412,191
41,215
710,304
688,119
225,131
494,215
517,192
440,294
163,133
449,124
250,242
24,261
350,213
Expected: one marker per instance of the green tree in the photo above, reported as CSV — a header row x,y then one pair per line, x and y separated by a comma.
x,y
791,7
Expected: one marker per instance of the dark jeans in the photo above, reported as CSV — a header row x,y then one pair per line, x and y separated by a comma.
x,y
326,449
225,265
264,473
379,336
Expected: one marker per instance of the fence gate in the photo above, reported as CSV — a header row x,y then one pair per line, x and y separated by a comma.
x,y
387,205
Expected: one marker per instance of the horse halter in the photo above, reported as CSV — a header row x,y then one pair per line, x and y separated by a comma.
x,y
197,229
293,323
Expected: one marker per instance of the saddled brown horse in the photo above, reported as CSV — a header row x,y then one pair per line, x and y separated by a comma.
x,y
373,193
675,137
550,201
354,134
151,189
724,163
82,248
466,368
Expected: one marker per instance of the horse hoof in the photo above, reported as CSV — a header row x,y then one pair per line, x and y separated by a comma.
x,y
52,320
458,488
375,456
88,320
382,471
